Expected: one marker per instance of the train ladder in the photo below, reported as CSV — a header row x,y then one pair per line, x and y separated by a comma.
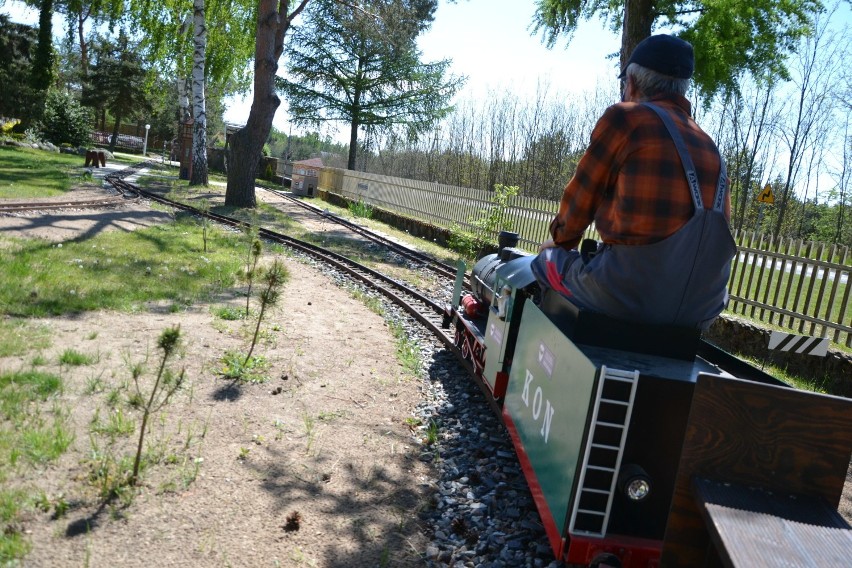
x,y
602,458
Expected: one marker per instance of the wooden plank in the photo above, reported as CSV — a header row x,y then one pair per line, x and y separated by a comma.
x,y
814,267
746,433
770,274
760,271
753,527
793,246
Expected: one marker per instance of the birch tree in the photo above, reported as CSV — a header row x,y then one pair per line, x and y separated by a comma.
x,y
199,134
811,108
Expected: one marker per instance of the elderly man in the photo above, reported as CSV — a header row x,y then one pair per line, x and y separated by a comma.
x,y
655,187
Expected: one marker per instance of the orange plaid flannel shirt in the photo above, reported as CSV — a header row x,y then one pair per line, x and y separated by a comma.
x,y
630,181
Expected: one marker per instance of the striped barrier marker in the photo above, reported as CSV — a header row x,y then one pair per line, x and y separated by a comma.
x,y
803,344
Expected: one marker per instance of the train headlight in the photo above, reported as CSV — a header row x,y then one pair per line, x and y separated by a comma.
x,y
634,482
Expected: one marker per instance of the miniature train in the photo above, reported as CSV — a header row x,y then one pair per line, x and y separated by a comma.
x,y
638,441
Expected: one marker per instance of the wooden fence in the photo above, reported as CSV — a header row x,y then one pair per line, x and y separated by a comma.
x,y
800,286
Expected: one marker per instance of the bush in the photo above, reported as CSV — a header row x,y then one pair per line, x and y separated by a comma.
x,y
64,120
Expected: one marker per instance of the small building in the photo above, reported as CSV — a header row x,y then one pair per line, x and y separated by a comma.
x,y
305,178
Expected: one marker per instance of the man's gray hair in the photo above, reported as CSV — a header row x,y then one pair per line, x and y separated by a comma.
x,y
651,83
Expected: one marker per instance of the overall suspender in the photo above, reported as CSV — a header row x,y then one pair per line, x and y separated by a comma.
x,y
689,167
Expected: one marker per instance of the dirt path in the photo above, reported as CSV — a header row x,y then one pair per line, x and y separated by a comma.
x,y
318,467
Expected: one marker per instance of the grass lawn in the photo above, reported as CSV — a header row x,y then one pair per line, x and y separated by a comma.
x,y
118,270
26,173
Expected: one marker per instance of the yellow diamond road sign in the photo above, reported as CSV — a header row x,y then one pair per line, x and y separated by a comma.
x,y
766,196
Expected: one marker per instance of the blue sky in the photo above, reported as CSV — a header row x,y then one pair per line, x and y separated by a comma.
x,y
488,41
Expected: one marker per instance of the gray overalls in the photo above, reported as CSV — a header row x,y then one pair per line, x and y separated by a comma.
x,y
681,280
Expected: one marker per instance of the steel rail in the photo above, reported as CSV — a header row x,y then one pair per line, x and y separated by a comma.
x,y
81,204
440,268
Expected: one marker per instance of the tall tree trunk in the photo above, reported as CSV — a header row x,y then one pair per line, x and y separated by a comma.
x,y
84,46
41,74
199,135
356,120
638,18
246,144
353,143
183,100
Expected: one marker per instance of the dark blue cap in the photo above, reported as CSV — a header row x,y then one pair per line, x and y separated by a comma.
x,y
664,54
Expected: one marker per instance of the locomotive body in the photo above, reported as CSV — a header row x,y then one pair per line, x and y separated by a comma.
x,y
604,416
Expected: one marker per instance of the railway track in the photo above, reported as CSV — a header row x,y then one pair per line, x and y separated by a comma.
x,y
49,205
423,309
413,256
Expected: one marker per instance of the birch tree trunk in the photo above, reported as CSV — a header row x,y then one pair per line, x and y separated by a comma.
x,y
199,134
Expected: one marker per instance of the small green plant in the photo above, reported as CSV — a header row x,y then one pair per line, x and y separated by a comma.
x,y
253,256
373,303
228,313
94,384
28,433
109,475
74,358
236,366
39,361
60,507
165,385
204,207
244,454
116,424
17,337
360,209
13,545
407,350
92,335
470,244
274,279
431,433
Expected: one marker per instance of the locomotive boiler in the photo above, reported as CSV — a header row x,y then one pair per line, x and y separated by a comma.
x,y
644,445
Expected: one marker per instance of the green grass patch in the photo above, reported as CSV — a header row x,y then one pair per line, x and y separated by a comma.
x,y
29,173
360,209
116,424
13,545
74,358
18,389
407,351
236,367
28,433
117,270
229,313
17,337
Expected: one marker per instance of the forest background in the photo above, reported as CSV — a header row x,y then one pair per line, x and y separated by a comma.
x,y
790,135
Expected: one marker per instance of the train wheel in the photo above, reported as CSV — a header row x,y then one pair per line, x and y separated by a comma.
x,y
466,350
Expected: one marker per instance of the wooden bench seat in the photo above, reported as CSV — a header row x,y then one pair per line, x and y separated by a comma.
x,y
753,527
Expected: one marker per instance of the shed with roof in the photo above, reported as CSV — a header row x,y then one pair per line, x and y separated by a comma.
x,y
306,176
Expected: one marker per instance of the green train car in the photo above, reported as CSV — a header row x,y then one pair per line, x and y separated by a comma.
x,y
646,446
